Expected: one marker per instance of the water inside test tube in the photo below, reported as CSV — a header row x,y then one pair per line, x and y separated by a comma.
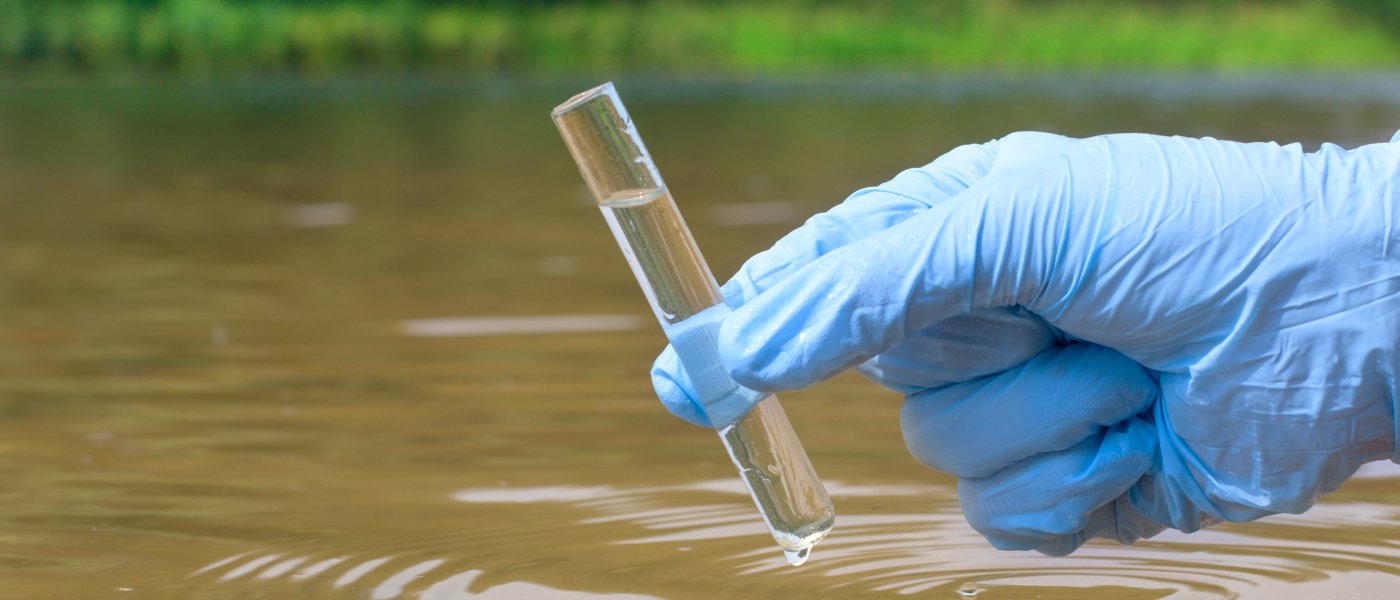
x,y
774,467
679,281
762,445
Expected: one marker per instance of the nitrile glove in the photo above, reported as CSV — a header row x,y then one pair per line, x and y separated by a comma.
x,y
958,349
1256,283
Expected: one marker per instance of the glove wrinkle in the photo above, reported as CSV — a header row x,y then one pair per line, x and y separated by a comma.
x,y
960,349
1101,337
1080,388
1046,504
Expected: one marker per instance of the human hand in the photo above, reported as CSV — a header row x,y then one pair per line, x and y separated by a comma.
x,y
1254,282
959,349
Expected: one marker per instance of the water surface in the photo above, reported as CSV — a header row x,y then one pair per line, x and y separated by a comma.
x,y
369,340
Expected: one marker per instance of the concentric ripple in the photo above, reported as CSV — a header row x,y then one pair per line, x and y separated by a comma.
x,y
890,540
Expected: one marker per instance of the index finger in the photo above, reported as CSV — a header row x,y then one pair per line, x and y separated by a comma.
x,y
866,212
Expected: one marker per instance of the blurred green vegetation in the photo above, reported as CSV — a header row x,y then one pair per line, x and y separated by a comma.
x,y
680,36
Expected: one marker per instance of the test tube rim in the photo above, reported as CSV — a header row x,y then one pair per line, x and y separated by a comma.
x,y
581,98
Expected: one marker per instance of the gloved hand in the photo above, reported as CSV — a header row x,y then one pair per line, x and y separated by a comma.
x,y
1222,326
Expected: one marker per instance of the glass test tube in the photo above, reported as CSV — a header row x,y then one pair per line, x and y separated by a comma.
x,y
679,285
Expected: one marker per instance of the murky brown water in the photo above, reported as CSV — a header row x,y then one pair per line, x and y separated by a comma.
x,y
253,344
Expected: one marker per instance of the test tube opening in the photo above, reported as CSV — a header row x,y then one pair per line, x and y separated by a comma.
x,y
578,99
606,146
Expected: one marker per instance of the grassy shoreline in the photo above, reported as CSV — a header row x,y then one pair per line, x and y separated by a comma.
x,y
195,37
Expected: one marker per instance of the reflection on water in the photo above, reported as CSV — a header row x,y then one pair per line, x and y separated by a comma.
x,y
756,213
881,551
550,324
412,581
370,340
323,214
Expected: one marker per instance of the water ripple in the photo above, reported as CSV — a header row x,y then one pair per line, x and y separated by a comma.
x,y
882,545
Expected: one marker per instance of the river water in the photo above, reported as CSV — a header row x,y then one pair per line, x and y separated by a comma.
x,y
368,339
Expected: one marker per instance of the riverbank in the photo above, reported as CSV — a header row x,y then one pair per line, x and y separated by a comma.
x,y
264,37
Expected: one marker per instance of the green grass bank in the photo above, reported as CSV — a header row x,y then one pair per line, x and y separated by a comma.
x,y
203,37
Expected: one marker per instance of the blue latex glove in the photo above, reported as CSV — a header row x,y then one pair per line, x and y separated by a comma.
x,y
1224,319
959,349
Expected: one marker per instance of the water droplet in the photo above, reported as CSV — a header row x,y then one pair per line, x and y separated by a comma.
x,y
797,556
968,589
